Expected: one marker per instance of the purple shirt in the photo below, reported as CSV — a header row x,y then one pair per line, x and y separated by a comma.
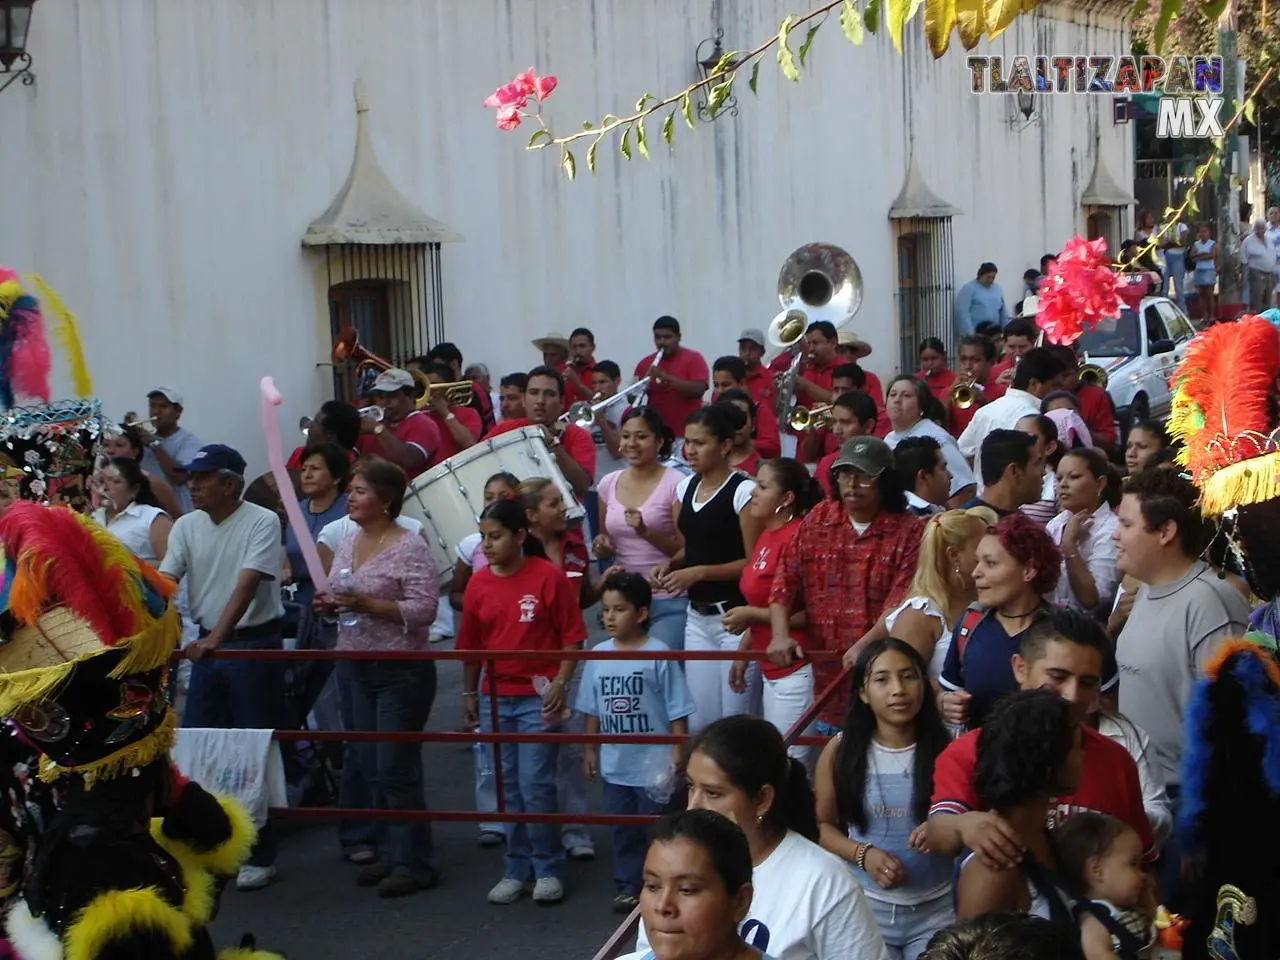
x,y
404,572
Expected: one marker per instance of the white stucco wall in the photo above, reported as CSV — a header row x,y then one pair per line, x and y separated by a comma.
x,y
163,168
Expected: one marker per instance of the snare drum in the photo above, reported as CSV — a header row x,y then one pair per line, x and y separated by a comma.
x,y
449,498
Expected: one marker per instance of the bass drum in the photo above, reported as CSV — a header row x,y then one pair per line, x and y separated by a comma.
x,y
449,498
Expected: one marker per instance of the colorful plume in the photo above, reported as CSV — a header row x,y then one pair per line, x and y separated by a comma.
x,y
1224,394
67,332
24,351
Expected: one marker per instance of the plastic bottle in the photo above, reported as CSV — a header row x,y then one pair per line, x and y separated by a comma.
x,y
551,721
344,582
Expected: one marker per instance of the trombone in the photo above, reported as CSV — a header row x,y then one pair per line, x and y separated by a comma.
x,y
459,393
583,413
803,419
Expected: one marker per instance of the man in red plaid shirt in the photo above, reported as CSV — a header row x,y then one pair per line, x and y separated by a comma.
x,y
852,559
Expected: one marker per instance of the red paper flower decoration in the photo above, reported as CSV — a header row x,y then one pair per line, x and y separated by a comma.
x,y
1080,290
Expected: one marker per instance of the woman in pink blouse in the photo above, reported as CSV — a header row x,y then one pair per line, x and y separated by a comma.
x,y
385,596
635,506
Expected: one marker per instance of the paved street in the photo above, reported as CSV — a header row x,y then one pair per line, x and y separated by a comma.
x,y
314,910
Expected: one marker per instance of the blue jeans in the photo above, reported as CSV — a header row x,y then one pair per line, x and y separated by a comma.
x,y
667,619
1175,275
629,843
907,930
528,786
387,696
241,695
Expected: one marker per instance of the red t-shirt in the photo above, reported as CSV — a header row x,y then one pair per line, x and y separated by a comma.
x,y
751,465
819,376
759,384
572,394
577,442
536,608
416,429
674,409
756,582
768,442
468,417
1108,784
939,383
823,473
1096,412
574,558
875,390
999,367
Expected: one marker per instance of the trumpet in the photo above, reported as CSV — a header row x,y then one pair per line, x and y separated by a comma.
x,y
965,394
803,419
374,413
583,413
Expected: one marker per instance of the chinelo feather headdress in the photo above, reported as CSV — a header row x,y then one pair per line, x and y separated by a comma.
x,y
1226,416
88,630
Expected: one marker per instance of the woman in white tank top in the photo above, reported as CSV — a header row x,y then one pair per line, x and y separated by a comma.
x,y
941,590
130,511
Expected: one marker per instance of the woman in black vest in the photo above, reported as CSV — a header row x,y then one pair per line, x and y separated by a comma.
x,y
717,534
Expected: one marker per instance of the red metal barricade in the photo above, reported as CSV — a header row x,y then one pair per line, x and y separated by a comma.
x,y
614,945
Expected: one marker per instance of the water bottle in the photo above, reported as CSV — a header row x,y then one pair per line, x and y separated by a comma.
x,y
660,776
346,583
484,761
551,721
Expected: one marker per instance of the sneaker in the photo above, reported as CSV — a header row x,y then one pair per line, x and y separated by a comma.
x,y
254,878
439,637
548,890
508,890
373,874
580,851
624,903
361,858
491,838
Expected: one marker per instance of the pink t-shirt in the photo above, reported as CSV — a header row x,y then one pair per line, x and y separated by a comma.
x,y
632,552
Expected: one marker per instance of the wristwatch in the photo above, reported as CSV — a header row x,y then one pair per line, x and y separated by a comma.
x,y
451,416
377,431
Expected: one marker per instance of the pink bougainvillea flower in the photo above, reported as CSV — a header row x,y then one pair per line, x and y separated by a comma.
x,y
509,94
508,117
525,82
542,87
1080,290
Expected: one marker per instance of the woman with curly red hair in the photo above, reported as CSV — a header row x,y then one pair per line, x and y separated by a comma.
x,y
1018,564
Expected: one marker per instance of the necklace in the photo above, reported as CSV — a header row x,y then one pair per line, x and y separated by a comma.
x,y
1018,616
356,562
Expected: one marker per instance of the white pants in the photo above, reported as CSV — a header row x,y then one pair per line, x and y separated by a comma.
x,y
785,701
708,680
443,627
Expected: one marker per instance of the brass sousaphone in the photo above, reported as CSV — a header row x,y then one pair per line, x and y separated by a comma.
x,y
819,281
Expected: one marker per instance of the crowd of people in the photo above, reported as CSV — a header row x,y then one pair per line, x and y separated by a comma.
x,y
992,607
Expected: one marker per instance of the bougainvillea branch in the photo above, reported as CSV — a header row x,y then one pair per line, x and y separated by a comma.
x,y
970,19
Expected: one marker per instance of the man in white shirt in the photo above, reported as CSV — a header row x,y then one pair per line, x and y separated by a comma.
x,y
171,445
1259,255
230,554
1036,374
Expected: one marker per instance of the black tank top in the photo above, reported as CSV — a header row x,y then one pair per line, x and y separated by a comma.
x,y
712,535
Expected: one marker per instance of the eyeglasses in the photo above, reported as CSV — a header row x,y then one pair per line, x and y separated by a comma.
x,y
847,478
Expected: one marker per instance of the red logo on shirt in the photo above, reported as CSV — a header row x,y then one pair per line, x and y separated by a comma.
x,y
528,607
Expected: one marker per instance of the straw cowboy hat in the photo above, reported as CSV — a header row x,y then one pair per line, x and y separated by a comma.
x,y
551,340
847,338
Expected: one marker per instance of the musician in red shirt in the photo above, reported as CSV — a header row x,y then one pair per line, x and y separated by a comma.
x,y
938,377
1020,335
448,354
730,373
404,435
1095,405
977,354
759,380
573,447
677,380
577,371
459,426
823,444
814,385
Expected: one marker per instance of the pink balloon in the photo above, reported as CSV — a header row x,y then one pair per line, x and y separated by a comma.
x,y
275,456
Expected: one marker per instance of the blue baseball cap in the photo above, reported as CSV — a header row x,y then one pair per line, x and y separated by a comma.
x,y
215,457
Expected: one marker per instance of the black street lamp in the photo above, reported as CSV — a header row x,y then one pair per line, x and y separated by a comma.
x,y
706,67
15,20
